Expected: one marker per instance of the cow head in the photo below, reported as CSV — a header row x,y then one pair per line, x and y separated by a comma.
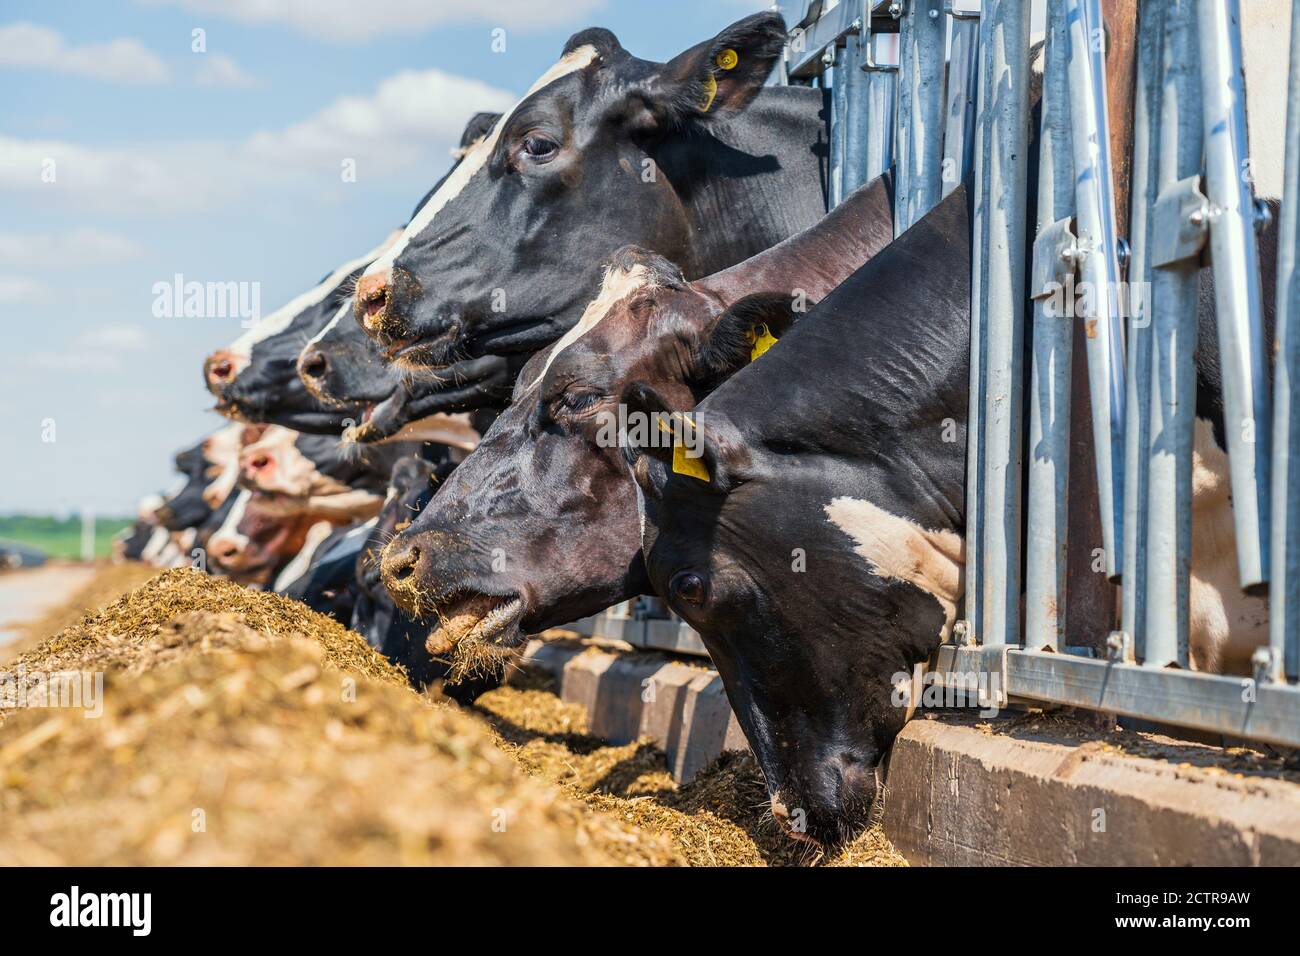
x,y
806,519
552,460
343,368
257,540
598,154
255,378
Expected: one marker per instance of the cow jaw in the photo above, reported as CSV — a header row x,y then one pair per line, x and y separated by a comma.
x,y
474,627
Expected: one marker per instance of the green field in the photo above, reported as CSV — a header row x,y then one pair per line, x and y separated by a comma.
x,y
59,537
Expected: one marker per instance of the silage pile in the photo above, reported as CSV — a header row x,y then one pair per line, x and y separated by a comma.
x,y
240,727
263,733
718,819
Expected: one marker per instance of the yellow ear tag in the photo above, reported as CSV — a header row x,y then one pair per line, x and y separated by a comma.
x,y
728,59
710,91
683,464
762,340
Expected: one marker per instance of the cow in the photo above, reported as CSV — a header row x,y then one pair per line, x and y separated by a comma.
x,y
860,488
548,463
694,159
256,378
256,541
343,367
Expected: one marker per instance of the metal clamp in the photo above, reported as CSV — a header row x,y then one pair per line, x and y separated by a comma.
x,y
1180,223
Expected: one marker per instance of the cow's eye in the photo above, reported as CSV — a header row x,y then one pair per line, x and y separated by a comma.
x,y
689,588
539,147
575,401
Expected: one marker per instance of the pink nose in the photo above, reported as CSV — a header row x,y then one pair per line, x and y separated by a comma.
x,y
371,297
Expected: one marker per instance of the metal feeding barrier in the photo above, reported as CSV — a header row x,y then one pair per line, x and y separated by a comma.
x,y
940,89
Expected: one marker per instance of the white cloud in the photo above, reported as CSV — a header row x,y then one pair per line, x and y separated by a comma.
x,y
30,46
393,128
217,69
348,21
409,122
80,247
19,290
120,337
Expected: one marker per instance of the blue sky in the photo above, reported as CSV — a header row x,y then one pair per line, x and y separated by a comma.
x,y
222,165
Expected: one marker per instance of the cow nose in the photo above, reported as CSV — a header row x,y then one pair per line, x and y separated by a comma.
x,y
220,369
401,566
313,364
372,297
258,466
224,549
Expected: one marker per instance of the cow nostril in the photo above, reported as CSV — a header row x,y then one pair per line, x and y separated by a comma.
x,y
260,462
315,365
406,568
221,369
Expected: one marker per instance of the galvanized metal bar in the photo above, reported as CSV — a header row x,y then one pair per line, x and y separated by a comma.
x,y
1185,698
997,312
856,119
1284,589
1238,300
1053,340
959,110
881,72
1177,234
1137,403
1101,302
833,75
918,176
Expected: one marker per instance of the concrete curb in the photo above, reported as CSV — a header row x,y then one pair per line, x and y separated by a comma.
x,y
683,709
961,796
962,792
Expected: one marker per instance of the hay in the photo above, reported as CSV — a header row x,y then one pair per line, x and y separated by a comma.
x,y
267,755
718,819
141,626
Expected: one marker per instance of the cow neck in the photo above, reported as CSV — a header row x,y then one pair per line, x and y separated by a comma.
x,y
820,257
749,181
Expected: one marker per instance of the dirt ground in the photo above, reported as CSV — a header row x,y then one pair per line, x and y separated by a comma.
x,y
241,728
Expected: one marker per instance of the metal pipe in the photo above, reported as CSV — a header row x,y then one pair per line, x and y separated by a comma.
x,y
1177,240
1284,590
963,65
834,74
997,309
1053,340
856,119
881,95
1102,310
1137,403
1237,296
920,111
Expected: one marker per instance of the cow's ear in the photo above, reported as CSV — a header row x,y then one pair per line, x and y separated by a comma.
x,y
741,334
721,75
710,453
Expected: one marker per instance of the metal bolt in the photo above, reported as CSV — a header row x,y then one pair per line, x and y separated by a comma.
x,y
1197,217
828,57
896,10
1119,646
1263,215
934,14
1262,663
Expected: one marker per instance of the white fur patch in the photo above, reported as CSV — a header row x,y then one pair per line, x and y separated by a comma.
x,y
241,349
900,549
229,530
476,158
296,568
616,285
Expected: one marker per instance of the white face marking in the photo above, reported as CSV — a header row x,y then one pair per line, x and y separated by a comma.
x,y
148,505
222,450
476,158
344,309
241,349
158,540
229,530
617,285
296,568
900,549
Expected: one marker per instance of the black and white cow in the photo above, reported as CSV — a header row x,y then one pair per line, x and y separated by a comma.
x,y
256,379
549,462
816,542
694,159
